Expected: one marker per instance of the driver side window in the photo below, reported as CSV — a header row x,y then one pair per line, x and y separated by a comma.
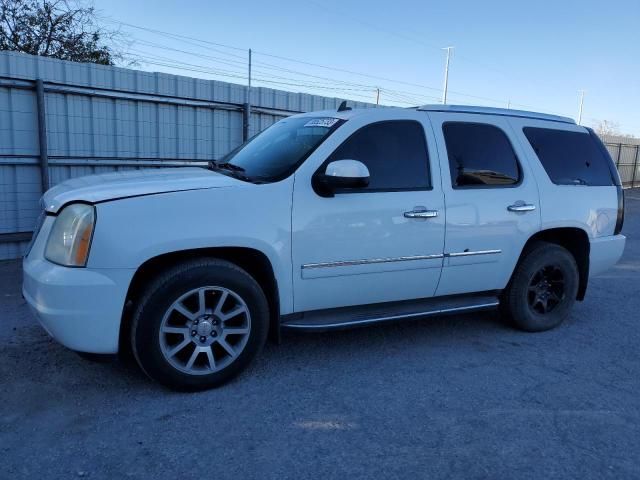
x,y
395,152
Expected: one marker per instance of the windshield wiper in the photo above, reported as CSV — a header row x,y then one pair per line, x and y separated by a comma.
x,y
234,170
230,166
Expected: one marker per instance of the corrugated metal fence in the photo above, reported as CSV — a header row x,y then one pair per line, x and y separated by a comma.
x,y
63,119
67,119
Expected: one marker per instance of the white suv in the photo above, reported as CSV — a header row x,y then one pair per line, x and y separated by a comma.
x,y
327,220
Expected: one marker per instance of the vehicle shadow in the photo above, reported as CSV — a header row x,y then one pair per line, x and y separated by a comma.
x,y
327,351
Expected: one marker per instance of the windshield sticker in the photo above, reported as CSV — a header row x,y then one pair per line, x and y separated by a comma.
x,y
322,122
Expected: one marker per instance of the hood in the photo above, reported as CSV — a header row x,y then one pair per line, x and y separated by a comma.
x,y
115,185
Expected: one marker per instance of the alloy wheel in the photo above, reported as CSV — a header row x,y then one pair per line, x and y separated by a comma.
x,y
205,330
546,289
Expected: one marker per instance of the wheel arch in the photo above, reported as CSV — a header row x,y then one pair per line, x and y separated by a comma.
x,y
254,262
576,241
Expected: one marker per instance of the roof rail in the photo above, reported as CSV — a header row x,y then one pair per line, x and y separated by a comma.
x,y
505,112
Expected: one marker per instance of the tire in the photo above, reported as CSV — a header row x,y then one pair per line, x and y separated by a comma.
x,y
543,288
180,333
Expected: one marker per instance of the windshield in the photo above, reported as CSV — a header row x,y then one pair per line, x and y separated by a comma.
x,y
277,151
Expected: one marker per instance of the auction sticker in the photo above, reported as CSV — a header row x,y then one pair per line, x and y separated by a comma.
x,y
322,122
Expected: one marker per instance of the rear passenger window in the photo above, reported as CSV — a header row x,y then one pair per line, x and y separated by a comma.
x,y
395,152
480,155
570,158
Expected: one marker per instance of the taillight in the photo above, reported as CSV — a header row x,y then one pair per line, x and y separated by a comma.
x,y
620,219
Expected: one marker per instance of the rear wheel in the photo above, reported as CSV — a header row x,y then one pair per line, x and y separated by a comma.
x,y
199,325
543,288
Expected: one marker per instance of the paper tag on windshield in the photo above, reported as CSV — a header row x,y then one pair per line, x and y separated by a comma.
x,y
322,122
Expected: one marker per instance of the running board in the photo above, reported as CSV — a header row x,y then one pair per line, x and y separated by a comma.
x,y
362,315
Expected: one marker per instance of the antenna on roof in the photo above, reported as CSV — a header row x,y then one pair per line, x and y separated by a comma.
x,y
343,106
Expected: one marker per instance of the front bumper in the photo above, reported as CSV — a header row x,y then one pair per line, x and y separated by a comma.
x,y
605,252
80,307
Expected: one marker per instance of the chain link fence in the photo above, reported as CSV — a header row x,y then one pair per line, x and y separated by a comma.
x,y
626,155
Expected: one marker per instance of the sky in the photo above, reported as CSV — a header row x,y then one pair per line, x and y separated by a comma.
x,y
535,55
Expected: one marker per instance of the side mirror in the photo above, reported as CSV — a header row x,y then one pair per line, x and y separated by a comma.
x,y
341,174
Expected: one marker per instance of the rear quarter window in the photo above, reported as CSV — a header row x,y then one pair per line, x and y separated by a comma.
x,y
570,158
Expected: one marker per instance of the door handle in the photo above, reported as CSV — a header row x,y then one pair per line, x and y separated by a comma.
x,y
521,207
421,212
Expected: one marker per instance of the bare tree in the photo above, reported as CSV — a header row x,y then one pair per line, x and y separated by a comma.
x,y
60,29
607,127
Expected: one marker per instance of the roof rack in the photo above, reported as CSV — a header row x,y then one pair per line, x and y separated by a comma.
x,y
506,112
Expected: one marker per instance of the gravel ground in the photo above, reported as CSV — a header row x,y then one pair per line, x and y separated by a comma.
x,y
462,396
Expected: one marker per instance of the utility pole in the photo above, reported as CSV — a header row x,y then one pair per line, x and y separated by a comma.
x,y
249,82
446,75
247,105
377,96
581,105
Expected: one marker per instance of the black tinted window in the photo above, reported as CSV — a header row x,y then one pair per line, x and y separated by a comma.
x,y
394,152
570,158
480,154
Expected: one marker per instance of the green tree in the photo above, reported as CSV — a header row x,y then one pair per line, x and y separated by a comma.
x,y
56,28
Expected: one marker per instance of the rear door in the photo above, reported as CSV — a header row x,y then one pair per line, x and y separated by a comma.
x,y
491,201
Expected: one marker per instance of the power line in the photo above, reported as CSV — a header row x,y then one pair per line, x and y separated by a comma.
x,y
404,36
200,42
302,62
243,64
236,63
161,32
178,65
146,56
374,27
347,86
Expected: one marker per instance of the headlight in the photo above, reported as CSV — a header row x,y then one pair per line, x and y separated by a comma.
x,y
70,236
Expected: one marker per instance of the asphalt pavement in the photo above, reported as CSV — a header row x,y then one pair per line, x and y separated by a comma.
x,y
452,397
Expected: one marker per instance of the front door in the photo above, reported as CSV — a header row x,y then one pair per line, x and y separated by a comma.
x,y
367,245
491,198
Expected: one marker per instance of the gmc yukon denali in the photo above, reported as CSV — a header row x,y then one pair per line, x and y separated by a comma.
x,y
326,220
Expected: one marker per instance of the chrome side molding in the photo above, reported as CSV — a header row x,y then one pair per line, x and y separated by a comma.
x,y
477,252
349,263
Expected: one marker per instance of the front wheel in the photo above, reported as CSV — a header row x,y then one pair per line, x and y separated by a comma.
x,y
543,288
199,325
